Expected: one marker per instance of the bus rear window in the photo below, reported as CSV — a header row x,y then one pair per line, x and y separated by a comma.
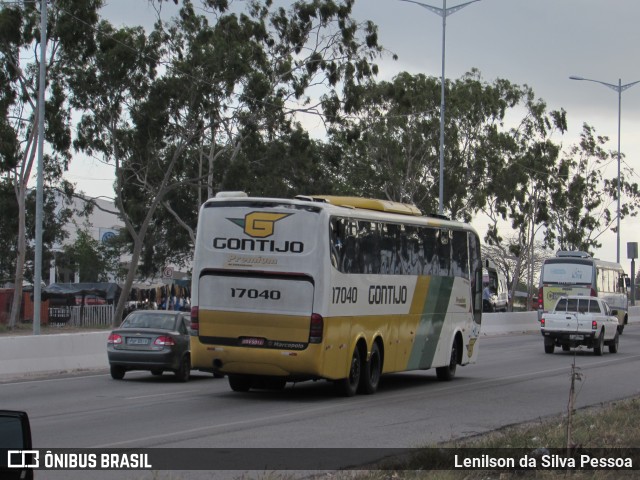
x,y
574,273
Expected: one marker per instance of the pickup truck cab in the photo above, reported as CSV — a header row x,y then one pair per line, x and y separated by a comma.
x,y
580,320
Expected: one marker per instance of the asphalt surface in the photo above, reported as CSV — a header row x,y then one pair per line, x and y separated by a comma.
x,y
514,381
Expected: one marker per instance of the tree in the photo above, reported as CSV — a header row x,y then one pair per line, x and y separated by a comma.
x,y
581,210
519,190
392,145
19,66
92,259
513,262
225,88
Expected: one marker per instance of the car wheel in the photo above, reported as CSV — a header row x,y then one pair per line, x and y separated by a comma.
x,y
348,386
613,345
184,370
156,372
117,372
448,372
597,349
240,383
370,378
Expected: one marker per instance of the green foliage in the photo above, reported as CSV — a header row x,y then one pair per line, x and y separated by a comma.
x,y
87,256
202,103
391,148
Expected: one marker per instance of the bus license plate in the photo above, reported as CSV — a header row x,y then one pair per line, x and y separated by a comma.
x,y
252,341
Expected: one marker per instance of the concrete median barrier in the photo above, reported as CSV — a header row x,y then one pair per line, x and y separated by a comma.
x,y
22,354
509,322
65,352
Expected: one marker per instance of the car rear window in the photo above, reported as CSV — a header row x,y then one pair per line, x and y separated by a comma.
x,y
562,305
164,322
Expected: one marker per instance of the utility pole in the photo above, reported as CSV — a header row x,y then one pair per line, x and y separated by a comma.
x,y
444,12
37,275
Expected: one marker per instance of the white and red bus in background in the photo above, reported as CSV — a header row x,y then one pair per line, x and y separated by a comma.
x,y
578,273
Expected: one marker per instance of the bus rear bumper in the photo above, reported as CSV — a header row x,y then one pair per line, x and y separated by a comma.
x,y
264,362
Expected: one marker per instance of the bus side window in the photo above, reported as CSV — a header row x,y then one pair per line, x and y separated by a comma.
x,y
476,271
444,252
429,241
336,240
600,280
460,254
369,246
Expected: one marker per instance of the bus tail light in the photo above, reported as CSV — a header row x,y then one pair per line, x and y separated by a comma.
x,y
195,324
540,302
316,328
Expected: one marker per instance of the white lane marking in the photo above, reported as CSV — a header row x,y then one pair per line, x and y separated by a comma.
x,y
161,394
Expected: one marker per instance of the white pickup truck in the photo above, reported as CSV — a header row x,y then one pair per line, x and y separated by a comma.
x,y
580,320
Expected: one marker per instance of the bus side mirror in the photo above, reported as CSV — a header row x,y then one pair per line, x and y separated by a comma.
x,y
15,434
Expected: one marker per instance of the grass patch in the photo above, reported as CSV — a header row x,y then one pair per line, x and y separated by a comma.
x,y
613,425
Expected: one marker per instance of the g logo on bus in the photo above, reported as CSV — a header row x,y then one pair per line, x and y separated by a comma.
x,y
259,224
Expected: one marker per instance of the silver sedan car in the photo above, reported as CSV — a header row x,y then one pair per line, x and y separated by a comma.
x,y
154,340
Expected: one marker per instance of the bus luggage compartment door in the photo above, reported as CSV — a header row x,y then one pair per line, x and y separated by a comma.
x,y
254,307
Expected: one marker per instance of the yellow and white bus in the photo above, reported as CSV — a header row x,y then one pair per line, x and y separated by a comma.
x,y
337,288
577,273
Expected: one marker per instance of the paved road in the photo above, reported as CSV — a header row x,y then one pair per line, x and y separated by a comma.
x,y
513,381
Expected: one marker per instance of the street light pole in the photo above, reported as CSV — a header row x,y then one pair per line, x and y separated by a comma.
x,y
618,88
444,12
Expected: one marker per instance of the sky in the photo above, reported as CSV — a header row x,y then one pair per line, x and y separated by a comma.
x,y
539,43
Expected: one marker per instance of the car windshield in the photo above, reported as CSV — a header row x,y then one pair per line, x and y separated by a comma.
x,y
161,321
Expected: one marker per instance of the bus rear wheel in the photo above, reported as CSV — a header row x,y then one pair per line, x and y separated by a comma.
x,y
448,372
348,386
240,383
372,370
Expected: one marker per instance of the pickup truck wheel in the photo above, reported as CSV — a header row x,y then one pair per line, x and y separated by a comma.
x,y
549,347
613,346
597,349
